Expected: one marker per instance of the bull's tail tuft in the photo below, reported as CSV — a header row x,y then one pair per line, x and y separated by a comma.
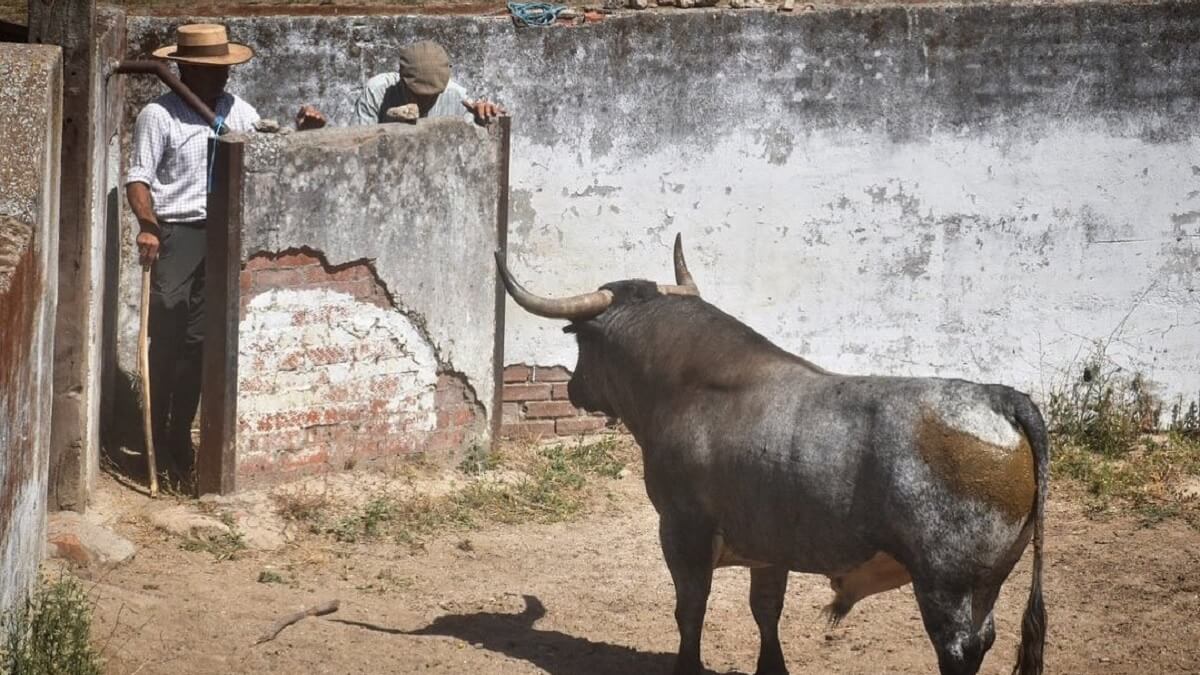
x,y
1033,624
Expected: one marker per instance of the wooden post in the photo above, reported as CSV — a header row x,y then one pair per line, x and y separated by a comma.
x,y
74,446
216,462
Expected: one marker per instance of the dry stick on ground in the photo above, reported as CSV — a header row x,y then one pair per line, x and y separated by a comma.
x,y
316,610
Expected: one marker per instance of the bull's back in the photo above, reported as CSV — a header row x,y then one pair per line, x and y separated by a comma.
x,y
821,472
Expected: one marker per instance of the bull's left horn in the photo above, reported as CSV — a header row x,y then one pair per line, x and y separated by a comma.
x,y
682,276
574,308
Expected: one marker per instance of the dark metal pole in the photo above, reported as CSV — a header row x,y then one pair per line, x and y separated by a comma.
x,y
168,78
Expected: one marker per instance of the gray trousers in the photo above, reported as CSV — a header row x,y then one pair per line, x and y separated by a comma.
x,y
176,340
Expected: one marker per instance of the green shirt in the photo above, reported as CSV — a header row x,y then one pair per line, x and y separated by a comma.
x,y
385,91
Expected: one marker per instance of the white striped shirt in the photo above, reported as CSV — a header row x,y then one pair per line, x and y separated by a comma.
x,y
170,153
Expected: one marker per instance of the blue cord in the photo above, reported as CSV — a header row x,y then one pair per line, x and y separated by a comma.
x,y
217,126
535,13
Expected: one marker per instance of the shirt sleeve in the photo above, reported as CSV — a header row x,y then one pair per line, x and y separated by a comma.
x,y
149,139
366,108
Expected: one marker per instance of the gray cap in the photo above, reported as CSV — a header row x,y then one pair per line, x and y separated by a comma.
x,y
425,68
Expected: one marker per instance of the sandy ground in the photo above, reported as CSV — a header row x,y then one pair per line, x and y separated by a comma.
x,y
593,596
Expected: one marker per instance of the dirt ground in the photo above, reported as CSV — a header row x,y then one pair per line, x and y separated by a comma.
x,y
592,596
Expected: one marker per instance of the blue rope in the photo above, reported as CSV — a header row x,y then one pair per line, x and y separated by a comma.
x,y
217,127
535,13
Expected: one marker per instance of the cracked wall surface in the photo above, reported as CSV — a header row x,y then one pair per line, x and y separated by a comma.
x,y
329,374
980,191
30,98
368,306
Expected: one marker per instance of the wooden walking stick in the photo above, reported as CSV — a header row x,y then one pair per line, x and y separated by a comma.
x,y
144,371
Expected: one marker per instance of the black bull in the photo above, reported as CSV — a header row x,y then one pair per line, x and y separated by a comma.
x,y
755,457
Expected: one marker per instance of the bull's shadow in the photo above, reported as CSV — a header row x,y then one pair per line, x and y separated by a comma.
x,y
554,652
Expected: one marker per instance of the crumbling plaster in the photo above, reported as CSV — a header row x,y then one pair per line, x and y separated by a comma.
x,y
986,191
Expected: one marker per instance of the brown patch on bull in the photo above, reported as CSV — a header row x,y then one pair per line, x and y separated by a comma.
x,y
1004,478
881,573
723,556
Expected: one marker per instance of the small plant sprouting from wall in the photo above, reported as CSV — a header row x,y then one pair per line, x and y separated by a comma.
x,y
1105,409
1109,440
50,633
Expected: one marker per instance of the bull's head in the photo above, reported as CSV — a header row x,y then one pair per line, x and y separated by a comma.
x,y
593,317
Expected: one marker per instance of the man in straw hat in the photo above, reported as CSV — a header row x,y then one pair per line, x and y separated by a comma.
x,y
167,189
423,78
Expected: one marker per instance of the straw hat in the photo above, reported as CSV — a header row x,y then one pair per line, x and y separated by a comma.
x,y
205,44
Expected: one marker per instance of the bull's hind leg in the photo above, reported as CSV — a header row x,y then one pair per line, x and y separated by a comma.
x,y
959,623
687,548
767,588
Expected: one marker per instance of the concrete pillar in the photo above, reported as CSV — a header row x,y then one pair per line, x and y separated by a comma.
x,y
74,455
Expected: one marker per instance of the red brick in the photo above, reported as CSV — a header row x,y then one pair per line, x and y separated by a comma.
x,y
358,272
517,373
543,409
511,413
258,262
578,425
560,392
526,392
289,260
447,439
551,374
528,430
455,416
277,278
448,392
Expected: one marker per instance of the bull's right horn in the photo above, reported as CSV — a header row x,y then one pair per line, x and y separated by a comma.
x,y
682,276
574,308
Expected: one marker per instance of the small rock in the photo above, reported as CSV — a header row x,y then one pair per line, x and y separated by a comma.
x,y
787,6
261,537
71,537
266,126
623,473
408,112
183,522
665,3
637,4
1189,489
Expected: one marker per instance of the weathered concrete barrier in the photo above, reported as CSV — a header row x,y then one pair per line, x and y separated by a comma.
x,y
367,312
30,120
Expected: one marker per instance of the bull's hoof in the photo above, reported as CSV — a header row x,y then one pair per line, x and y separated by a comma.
x,y
695,668
770,659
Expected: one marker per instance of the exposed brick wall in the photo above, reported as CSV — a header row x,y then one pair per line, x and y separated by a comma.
x,y
536,405
331,375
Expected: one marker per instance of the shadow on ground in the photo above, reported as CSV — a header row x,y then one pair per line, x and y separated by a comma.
x,y
554,652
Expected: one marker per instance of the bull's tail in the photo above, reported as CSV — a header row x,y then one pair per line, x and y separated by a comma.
x,y
1033,625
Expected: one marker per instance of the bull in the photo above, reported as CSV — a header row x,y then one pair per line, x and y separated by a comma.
x,y
758,458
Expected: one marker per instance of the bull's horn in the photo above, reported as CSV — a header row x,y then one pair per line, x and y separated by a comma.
x,y
575,308
682,276
666,289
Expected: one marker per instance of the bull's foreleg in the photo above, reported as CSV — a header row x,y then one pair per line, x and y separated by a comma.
x,y
767,588
687,547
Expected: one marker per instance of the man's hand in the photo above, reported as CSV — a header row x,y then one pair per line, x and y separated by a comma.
x,y
308,117
484,111
147,243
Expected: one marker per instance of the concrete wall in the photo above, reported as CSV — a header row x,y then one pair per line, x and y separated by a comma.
x,y
30,120
976,191
90,37
368,302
